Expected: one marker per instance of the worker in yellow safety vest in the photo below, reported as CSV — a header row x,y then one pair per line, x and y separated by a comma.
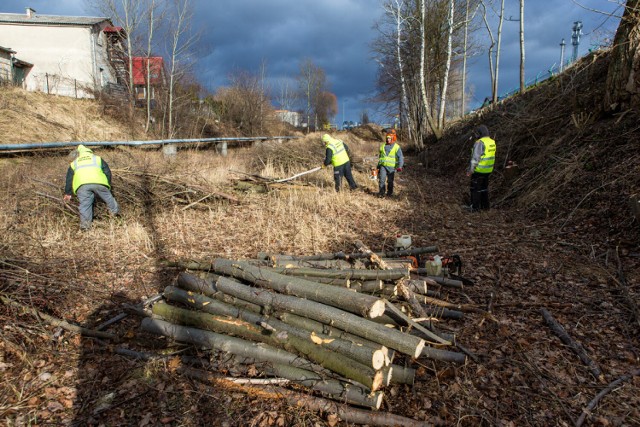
x,y
483,158
337,154
390,161
89,176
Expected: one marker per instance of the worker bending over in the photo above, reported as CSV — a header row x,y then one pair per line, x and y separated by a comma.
x,y
337,154
89,176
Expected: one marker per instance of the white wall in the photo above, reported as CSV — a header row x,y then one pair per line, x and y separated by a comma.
x,y
66,59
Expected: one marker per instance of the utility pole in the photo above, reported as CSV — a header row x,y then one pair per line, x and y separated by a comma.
x,y
562,45
575,39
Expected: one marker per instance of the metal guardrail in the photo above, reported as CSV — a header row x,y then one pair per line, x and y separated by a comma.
x,y
31,146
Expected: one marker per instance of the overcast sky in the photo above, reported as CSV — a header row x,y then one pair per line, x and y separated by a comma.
x,y
336,35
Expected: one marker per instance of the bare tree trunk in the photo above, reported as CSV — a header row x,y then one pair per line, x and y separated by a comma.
x,y
624,67
423,85
495,81
464,59
522,81
151,13
447,68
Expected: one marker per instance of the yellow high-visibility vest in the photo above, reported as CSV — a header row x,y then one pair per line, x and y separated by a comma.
x,y
87,169
388,159
488,159
340,156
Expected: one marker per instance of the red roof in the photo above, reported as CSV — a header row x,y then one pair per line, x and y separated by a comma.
x,y
112,29
156,65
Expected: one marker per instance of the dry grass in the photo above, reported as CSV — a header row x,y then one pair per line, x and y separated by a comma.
x,y
524,374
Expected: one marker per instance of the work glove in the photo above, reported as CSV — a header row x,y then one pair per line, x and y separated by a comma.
x,y
323,166
399,170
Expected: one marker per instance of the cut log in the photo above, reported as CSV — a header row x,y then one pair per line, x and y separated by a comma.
x,y
352,274
207,339
324,357
367,286
349,322
396,313
322,264
334,389
345,413
372,357
342,255
402,375
375,259
451,283
189,282
576,347
364,305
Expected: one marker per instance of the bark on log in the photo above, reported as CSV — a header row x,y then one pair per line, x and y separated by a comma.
x,y
367,286
321,264
407,294
402,375
323,313
334,389
324,357
192,283
450,283
233,345
342,255
364,305
352,274
345,413
396,313
374,358
375,259
576,347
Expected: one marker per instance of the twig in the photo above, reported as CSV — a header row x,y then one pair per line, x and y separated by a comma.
x,y
586,411
573,345
58,322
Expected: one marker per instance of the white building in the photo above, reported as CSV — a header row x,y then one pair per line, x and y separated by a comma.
x,y
291,117
70,54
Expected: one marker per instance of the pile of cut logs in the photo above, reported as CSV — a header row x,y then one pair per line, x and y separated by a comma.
x,y
334,323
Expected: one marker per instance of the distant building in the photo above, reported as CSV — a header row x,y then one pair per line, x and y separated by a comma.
x,y
155,71
69,54
12,70
292,117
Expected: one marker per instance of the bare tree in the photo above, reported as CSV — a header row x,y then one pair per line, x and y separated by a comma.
x,y
497,70
181,41
312,83
153,21
286,96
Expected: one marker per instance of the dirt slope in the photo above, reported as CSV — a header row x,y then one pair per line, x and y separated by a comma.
x,y
560,237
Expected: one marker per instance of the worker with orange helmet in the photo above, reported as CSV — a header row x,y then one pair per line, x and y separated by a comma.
x,y
390,161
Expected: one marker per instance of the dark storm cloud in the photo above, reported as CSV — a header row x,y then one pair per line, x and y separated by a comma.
x,y
336,35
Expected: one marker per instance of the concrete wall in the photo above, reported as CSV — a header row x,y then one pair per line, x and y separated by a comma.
x,y
66,59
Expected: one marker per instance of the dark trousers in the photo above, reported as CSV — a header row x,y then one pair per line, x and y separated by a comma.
x,y
343,170
385,177
480,191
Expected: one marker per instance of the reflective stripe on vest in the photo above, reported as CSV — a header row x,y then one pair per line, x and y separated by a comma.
x,y
488,158
388,159
340,156
87,169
